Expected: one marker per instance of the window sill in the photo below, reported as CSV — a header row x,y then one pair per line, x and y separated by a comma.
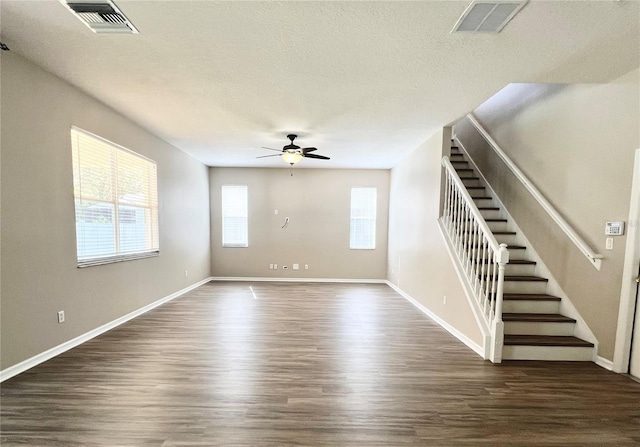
x,y
118,258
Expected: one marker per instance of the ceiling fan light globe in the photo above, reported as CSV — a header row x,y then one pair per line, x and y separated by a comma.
x,y
291,157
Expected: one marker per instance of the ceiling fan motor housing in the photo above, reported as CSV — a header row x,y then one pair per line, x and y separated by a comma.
x,y
291,147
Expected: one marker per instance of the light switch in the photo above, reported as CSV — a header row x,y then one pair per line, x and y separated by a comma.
x,y
609,243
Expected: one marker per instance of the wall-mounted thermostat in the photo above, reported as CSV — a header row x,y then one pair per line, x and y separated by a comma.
x,y
614,228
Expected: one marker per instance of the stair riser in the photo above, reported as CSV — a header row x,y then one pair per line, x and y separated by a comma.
x,y
530,328
509,239
558,353
531,307
517,254
491,214
471,182
520,270
497,226
483,202
466,174
524,287
476,193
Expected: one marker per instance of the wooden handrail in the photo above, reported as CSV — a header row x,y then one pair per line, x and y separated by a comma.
x,y
585,249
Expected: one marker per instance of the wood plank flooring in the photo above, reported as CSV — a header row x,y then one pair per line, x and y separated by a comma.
x,y
293,364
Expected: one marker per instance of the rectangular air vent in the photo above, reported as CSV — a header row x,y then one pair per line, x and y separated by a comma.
x,y
487,16
101,16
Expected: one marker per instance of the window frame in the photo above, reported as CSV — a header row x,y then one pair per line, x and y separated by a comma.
x,y
374,220
152,222
245,242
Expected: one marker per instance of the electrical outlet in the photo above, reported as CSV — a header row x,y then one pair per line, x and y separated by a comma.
x,y
444,300
270,266
306,266
61,316
186,273
275,266
296,266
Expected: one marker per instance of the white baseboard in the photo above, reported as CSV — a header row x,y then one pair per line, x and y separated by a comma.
x,y
271,279
453,331
29,363
604,363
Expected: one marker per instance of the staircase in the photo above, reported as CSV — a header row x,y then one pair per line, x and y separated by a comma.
x,y
534,329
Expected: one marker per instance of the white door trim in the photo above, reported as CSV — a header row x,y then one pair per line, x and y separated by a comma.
x,y
622,352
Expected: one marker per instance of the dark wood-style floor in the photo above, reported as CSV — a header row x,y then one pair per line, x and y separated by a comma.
x,y
284,364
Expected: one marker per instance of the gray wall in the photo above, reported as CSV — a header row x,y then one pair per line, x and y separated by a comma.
x,y
38,260
317,201
419,263
576,143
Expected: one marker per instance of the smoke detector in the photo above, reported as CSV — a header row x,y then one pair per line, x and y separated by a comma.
x,y
101,16
488,16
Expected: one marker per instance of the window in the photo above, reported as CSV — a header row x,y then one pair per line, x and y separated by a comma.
x,y
234,216
116,201
363,219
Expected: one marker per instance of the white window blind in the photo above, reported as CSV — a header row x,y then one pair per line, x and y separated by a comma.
x,y
116,201
235,226
363,218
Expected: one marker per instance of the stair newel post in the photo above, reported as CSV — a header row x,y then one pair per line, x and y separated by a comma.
x,y
497,326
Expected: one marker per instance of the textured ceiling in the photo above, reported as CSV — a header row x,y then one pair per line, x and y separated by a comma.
x,y
365,82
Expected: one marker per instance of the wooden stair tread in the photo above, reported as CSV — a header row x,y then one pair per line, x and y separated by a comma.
x,y
475,187
529,297
509,247
488,208
482,198
521,262
525,278
537,318
464,169
516,262
545,340
496,220
503,233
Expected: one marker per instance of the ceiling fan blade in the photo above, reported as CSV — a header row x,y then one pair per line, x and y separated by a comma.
x,y
308,149
271,149
320,157
265,156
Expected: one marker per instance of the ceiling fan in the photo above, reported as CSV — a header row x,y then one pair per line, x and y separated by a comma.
x,y
292,153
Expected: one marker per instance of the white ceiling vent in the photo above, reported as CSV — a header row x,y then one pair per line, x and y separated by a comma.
x,y
488,16
101,16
